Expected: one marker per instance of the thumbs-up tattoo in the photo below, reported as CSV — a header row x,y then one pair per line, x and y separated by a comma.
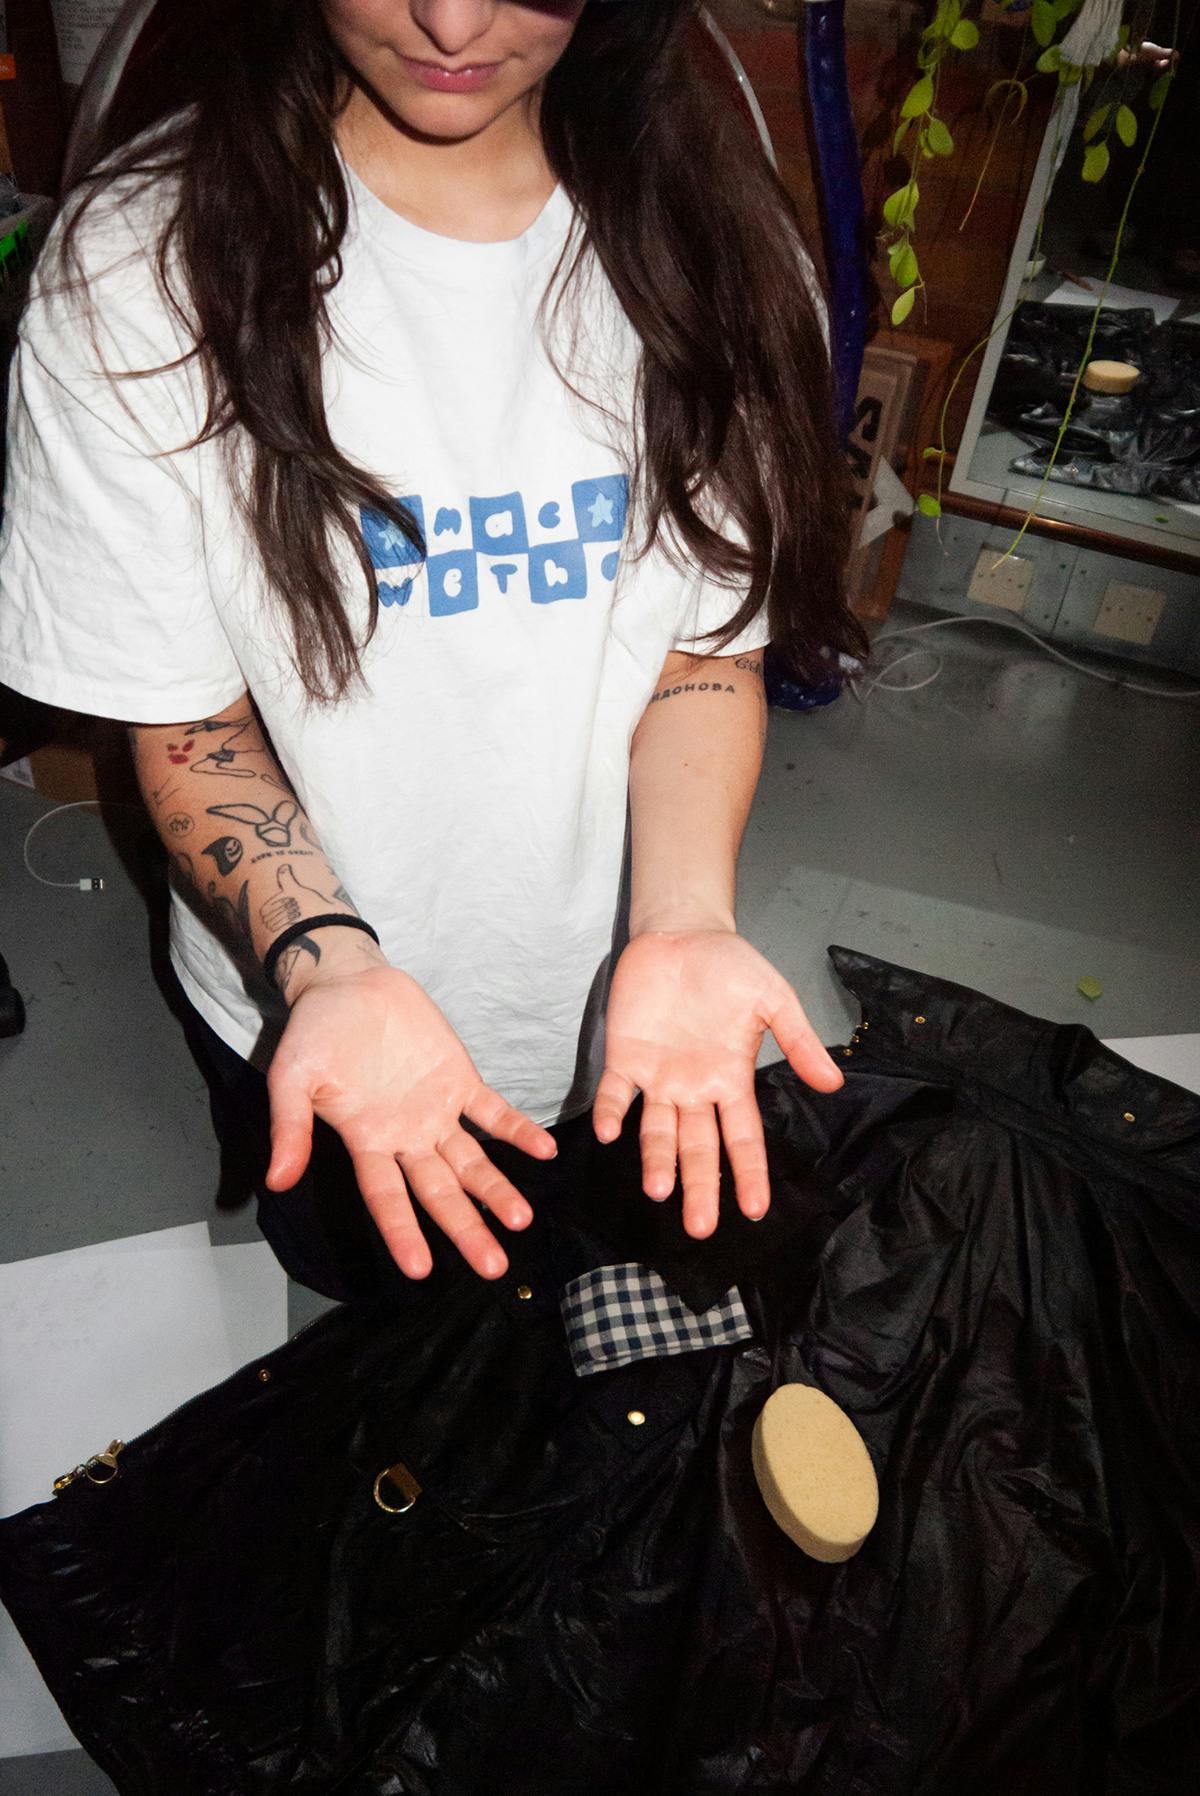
x,y
288,905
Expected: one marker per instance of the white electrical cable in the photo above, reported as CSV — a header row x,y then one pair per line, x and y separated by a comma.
x,y
77,804
1006,623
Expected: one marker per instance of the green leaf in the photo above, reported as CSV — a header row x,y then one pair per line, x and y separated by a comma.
x,y
1158,93
1095,120
918,99
1044,22
1087,987
965,35
903,265
1126,126
1064,8
1049,60
1123,37
928,506
939,138
948,14
903,306
902,131
934,454
1095,162
900,207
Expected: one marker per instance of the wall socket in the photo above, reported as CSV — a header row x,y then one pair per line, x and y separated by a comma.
x,y
1129,613
1007,586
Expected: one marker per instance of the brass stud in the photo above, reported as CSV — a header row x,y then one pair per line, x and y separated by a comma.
x,y
918,1019
864,1024
846,1053
635,1418
1129,1116
264,1375
524,1292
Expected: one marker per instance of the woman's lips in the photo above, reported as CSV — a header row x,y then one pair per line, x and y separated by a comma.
x,y
466,79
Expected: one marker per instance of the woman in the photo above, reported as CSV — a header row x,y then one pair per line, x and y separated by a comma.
x,y
420,426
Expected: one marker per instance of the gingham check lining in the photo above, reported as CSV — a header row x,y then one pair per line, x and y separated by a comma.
x,y
619,1314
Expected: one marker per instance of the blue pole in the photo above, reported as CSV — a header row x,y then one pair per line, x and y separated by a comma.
x,y
841,194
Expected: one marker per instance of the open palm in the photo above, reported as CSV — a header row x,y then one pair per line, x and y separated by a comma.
x,y
686,1017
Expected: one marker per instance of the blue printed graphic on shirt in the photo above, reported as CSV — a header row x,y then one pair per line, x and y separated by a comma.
x,y
557,571
453,583
600,508
488,555
498,525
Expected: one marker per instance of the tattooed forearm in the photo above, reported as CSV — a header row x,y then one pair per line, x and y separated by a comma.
x,y
241,753
272,827
226,851
256,864
290,959
294,899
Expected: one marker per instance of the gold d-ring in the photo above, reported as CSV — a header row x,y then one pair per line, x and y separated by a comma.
x,y
401,1477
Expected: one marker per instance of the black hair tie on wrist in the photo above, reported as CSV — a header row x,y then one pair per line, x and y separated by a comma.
x,y
294,932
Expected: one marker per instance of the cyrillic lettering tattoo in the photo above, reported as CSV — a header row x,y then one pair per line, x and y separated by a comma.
x,y
692,686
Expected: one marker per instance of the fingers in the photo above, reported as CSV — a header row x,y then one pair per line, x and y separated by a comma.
x,y
488,1110
386,1197
440,1180
614,1094
476,1174
700,1169
802,1046
439,1192
741,1129
658,1135
291,1132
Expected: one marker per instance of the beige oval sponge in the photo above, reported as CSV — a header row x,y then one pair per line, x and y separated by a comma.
x,y
1111,377
814,1472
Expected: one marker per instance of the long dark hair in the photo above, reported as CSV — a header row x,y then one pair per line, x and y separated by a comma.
x,y
696,234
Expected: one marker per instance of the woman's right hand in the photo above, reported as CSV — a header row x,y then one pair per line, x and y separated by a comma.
x,y
369,1052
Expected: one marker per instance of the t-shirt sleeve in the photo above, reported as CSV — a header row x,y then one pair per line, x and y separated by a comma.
x,y
709,607
105,604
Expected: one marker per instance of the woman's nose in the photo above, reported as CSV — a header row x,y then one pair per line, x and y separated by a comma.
x,y
452,26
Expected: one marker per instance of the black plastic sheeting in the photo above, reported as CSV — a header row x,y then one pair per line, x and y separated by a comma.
x,y
12,1009
1143,442
986,1247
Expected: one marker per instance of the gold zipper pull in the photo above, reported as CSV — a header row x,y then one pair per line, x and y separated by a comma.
x,y
101,1468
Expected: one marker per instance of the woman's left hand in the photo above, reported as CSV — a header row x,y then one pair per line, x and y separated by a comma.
x,y
686,1016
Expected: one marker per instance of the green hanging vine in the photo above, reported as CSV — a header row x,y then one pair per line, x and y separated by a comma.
x,y
920,126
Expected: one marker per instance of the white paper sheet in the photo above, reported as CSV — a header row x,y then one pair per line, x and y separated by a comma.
x,y
82,1361
79,26
1071,293
253,1289
1174,1057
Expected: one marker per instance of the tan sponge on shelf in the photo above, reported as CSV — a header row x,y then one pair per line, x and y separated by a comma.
x,y
814,1472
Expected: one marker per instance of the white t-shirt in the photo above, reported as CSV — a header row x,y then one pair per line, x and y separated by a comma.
x,y
472,796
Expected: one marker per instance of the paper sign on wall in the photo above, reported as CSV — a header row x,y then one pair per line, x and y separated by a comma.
x,y
80,25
